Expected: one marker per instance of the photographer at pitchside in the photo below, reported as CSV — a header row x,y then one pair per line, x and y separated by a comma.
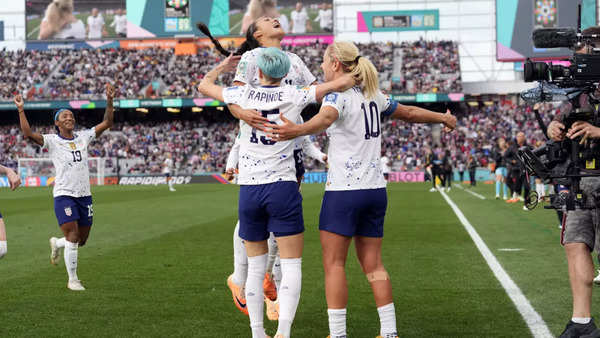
x,y
581,230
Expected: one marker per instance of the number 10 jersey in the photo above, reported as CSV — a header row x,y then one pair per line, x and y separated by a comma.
x,y
262,160
354,153
70,159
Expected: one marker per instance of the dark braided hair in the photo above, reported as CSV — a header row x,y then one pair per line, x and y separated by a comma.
x,y
247,45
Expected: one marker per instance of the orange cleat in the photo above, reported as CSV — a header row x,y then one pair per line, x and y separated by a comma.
x,y
238,295
269,287
512,200
272,309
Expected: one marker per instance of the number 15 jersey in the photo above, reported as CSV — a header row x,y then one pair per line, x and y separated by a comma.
x,y
262,160
354,153
70,159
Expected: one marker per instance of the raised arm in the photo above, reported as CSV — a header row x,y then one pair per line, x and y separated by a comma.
x,y
311,150
109,113
12,177
341,84
419,115
25,128
207,86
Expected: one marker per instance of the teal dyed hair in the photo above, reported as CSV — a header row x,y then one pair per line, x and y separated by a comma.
x,y
273,62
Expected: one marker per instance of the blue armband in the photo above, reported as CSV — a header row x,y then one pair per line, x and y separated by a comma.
x,y
391,108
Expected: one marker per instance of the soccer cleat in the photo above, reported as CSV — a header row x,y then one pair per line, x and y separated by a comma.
x,y
525,208
432,190
505,197
393,335
512,200
238,295
574,330
597,279
172,189
75,285
497,197
272,309
54,251
269,287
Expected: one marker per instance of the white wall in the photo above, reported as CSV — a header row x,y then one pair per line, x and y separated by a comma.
x,y
470,22
12,12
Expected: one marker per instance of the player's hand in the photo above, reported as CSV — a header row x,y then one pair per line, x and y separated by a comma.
x,y
19,102
449,121
229,174
348,81
230,63
253,118
13,180
584,129
556,131
110,91
325,159
282,132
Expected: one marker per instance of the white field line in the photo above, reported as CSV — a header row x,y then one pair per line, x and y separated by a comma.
x,y
534,321
470,192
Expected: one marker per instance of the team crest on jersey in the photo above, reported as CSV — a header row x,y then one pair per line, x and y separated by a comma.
x,y
73,145
331,97
68,211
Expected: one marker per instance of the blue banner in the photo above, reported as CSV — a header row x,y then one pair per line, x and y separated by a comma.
x,y
398,21
1,30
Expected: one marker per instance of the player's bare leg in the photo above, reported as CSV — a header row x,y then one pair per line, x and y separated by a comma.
x,y
368,251
335,250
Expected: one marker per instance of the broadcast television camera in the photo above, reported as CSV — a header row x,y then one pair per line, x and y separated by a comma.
x,y
567,162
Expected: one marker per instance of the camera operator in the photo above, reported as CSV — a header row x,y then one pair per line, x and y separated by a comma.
x,y
517,175
582,226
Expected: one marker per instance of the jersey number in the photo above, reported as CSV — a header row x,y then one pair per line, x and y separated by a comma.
x,y
263,139
370,130
76,156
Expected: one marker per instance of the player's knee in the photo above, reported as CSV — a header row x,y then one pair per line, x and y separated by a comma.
x,y
377,275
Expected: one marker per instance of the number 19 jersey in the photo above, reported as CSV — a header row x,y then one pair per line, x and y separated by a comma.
x,y
262,160
70,159
354,153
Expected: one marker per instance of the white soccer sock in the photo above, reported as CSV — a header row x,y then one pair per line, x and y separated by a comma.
x,y
540,189
387,318
254,294
289,294
240,259
273,250
3,248
60,243
337,322
171,183
277,273
71,259
581,320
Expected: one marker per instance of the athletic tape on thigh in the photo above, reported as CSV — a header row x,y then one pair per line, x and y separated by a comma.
x,y
377,276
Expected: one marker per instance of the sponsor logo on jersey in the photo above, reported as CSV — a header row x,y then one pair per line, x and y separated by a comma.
x,y
68,211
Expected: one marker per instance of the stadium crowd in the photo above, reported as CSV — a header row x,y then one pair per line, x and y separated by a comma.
x,y
427,66
202,145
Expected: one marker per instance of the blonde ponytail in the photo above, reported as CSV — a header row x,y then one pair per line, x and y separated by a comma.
x,y
363,71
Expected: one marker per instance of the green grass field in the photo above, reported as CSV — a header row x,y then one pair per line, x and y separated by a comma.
x,y
156,264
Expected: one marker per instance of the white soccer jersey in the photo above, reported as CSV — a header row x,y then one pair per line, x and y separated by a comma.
x,y
234,153
75,30
120,24
262,160
168,166
299,20
95,25
385,164
325,18
354,154
70,159
247,70
284,22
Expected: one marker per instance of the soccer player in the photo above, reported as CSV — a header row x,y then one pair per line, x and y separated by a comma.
x,y
167,168
95,25
300,22
272,281
72,197
269,199
14,182
501,171
120,23
355,199
60,23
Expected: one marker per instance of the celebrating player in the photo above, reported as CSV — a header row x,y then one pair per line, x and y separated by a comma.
x,y
269,198
14,182
72,196
355,199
